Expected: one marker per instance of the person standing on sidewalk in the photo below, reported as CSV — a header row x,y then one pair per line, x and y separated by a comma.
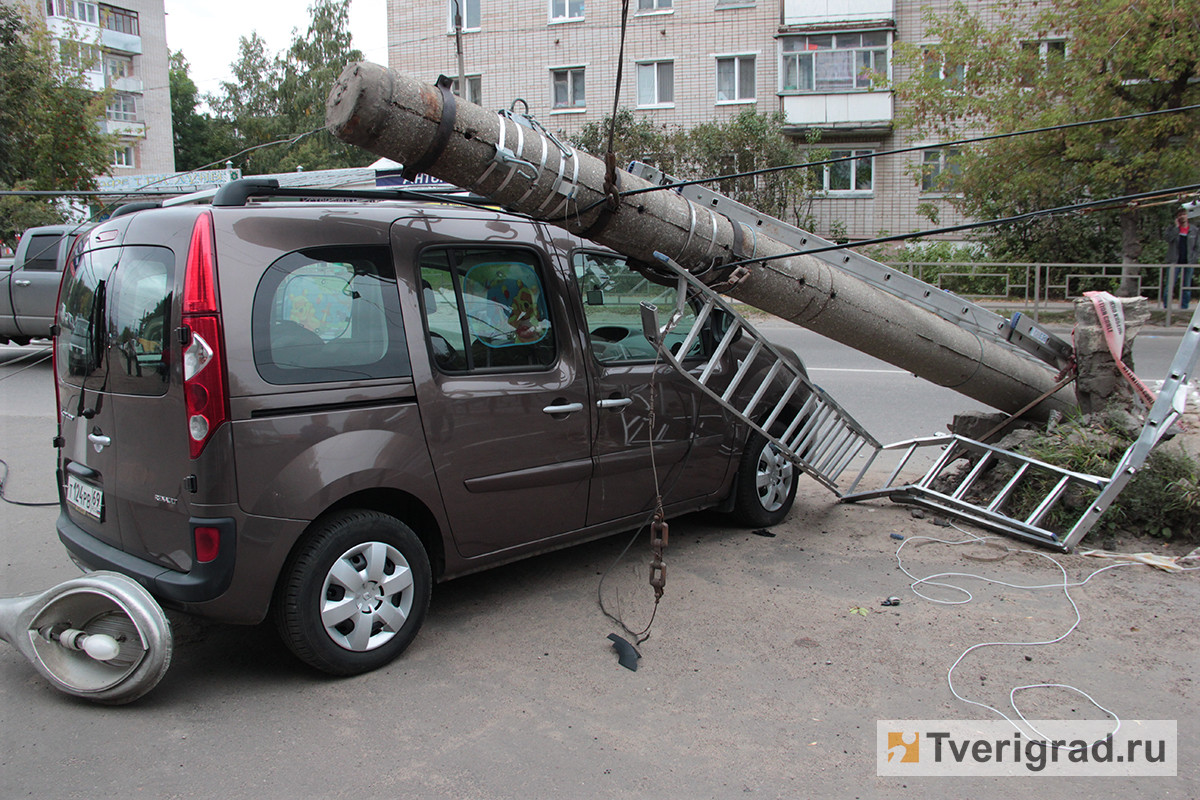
x,y
1183,245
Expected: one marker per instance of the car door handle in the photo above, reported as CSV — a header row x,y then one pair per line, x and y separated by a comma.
x,y
22,283
565,408
99,440
615,402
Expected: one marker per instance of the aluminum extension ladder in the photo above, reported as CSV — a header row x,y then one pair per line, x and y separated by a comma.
x,y
1020,332
817,435
1046,487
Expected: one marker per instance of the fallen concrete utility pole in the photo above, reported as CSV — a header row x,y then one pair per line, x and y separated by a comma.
x,y
525,170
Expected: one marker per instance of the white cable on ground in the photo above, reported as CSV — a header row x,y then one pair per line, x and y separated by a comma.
x,y
1065,585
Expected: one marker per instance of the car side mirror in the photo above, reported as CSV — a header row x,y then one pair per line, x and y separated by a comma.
x,y
595,297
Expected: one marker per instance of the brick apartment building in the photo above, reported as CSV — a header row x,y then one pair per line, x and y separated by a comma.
x,y
127,44
692,61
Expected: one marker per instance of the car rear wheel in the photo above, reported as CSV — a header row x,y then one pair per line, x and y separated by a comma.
x,y
766,484
354,595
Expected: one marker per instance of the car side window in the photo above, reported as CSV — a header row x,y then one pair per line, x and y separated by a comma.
x,y
42,252
486,308
82,341
612,297
329,314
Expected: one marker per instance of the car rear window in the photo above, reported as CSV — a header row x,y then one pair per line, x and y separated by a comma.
x,y
140,307
82,339
42,253
329,314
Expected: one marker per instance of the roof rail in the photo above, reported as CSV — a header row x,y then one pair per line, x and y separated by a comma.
x,y
129,208
239,192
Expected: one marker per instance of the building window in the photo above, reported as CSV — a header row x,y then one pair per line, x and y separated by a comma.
x,y
856,174
940,66
651,6
566,10
834,62
470,13
940,170
123,108
73,9
123,157
568,88
735,79
474,89
656,84
79,56
117,67
1046,57
120,20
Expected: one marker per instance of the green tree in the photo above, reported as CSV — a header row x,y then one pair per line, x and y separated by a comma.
x,y
49,133
282,97
201,140
1043,64
748,142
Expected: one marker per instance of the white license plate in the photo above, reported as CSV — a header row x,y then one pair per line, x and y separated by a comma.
x,y
85,497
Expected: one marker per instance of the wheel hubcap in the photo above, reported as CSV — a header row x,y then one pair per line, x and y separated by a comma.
x,y
773,478
367,596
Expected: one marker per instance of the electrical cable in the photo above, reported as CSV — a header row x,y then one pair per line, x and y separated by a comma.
x,y
4,479
44,353
1065,585
913,149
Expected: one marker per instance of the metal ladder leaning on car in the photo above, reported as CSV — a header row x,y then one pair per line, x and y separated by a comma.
x,y
822,439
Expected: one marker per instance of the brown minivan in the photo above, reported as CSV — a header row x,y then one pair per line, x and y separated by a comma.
x,y
315,409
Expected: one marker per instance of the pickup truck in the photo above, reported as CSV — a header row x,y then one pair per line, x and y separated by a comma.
x,y
29,284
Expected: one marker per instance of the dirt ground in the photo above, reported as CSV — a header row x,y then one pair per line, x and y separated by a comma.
x,y
770,661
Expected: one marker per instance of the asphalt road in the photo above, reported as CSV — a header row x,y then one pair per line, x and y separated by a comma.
x,y
758,680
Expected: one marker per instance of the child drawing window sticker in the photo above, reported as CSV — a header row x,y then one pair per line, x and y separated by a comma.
x,y
505,304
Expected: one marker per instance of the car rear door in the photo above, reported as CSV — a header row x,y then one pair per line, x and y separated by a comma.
x,y
88,462
504,401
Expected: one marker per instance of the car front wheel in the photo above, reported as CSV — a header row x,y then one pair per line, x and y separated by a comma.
x,y
354,595
766,484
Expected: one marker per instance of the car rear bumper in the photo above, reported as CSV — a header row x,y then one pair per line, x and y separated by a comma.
x,y
204,582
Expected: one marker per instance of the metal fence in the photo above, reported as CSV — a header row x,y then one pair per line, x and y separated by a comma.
x,y
1042,287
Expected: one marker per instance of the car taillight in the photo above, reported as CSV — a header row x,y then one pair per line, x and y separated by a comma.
x,y
204,385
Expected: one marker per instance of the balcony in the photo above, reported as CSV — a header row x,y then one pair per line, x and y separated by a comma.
x,y
121,42
819,12
131,85
126,128
856,112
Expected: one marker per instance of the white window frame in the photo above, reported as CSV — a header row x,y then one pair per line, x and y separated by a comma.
x,y
123,156
467,27
738,60
566,16
572,71
474,88
953,82
860,153
123,108
847,46
78,10
655,7
932,168
656,64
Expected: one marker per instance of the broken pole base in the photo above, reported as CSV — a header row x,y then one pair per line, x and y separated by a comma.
x,y
1099,382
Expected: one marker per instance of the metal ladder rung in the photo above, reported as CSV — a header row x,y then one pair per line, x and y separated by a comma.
x,y
762,390
719,352
965,486
850,455
1004,494
903,463
806,413
742,369
838,450
1035,519
783,401
698,326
